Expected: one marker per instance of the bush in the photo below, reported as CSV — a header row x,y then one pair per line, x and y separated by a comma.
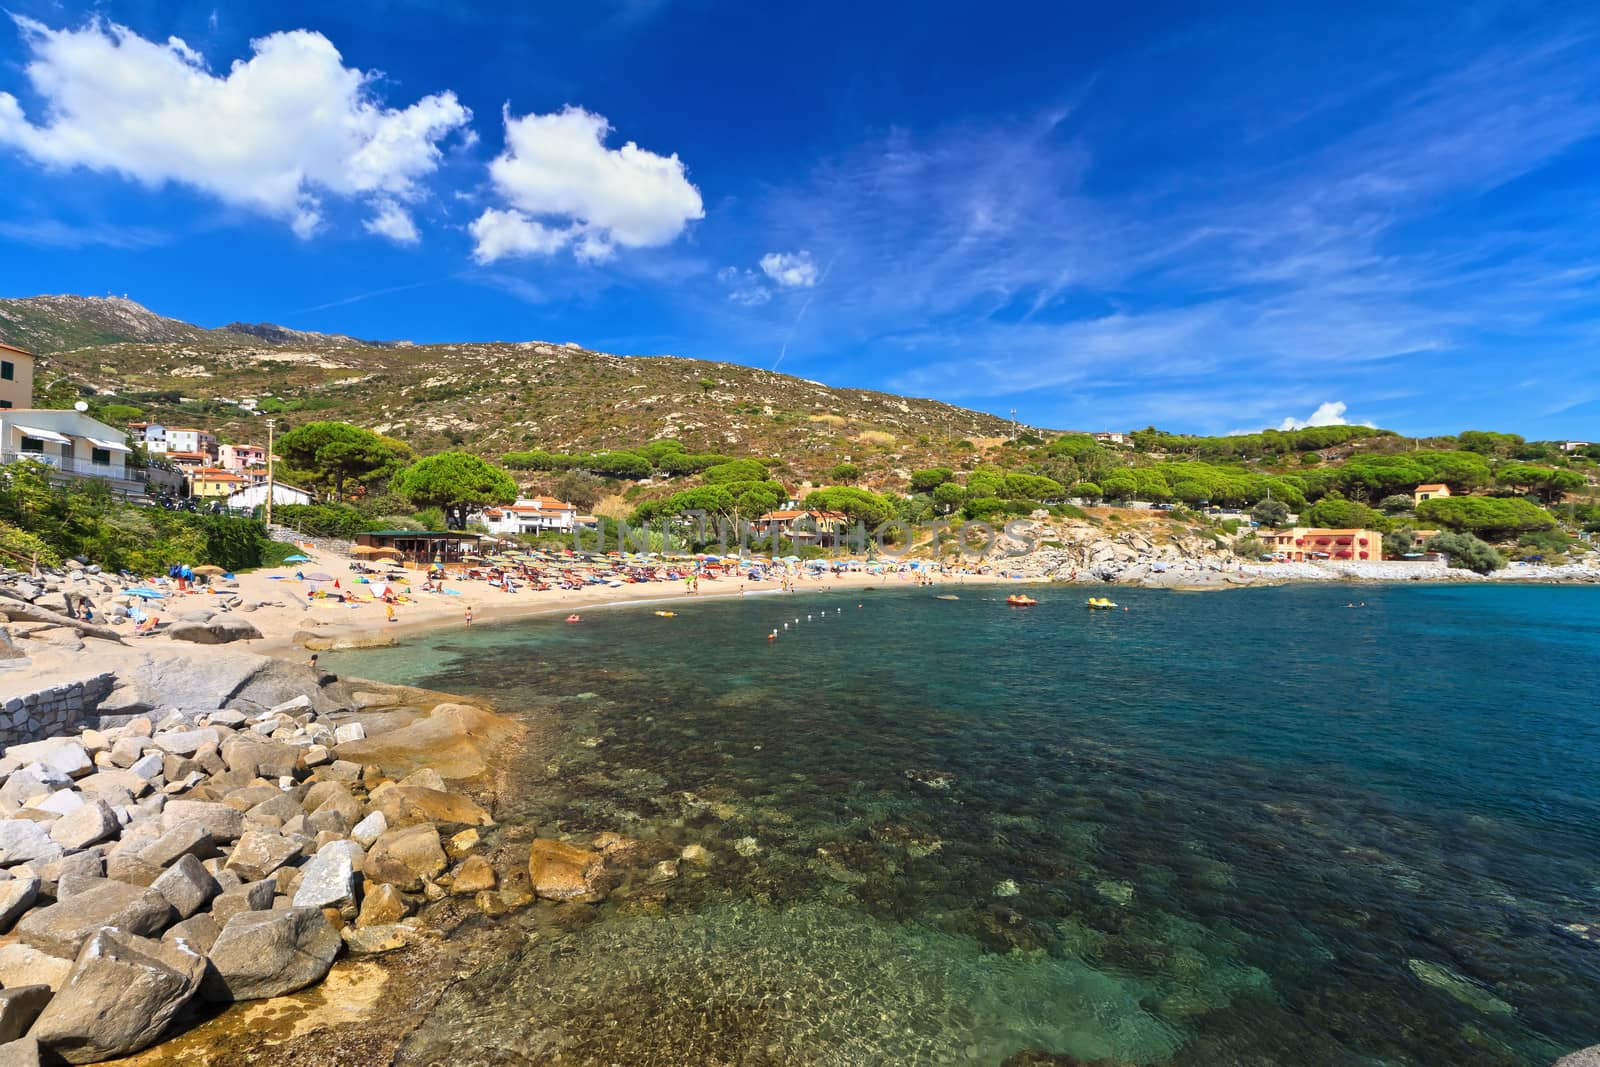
x,y
19,549
1467,552
323,520
1395,504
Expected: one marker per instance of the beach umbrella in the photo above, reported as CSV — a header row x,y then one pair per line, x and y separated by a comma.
x,y
210,569
144,594
373,550
297,559
319,577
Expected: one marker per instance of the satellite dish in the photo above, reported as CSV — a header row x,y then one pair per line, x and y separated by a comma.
x,y
80,406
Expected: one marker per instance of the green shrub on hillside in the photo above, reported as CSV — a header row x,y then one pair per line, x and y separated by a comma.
x,y
324,520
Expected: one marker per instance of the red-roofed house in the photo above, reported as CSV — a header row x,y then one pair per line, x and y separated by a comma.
x,y
1429,492
531,515
1304,544
801,524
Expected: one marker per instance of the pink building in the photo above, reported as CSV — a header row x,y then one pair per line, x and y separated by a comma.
x,y
241,457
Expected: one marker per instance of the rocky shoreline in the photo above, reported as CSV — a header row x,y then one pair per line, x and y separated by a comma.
x,y
1152,557
218,827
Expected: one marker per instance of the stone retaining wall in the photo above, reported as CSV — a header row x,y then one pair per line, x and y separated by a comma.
x,y
51,711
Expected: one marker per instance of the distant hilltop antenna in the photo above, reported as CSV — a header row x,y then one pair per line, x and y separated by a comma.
x,y
1013,424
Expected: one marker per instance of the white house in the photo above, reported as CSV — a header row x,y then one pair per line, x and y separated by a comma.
x,y
255,496
69,441
531,515
187,439
152,435
1574,446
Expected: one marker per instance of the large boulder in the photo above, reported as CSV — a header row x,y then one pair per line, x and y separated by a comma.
x,y
84,826
328,880
456,740
218,630
269,953
16,896
403,858
119,997
21,965
172,677
404,805
62,754
63,927
260,853
258,756
19,1007
26,841
187,886
561,871
219,821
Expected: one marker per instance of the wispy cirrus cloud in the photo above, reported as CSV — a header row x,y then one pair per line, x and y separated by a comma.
x,y
1325,263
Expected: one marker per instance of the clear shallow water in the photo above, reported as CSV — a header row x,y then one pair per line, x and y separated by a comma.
x,y
1252,827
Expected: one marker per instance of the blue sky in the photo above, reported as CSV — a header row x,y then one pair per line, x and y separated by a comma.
x,y
1209,220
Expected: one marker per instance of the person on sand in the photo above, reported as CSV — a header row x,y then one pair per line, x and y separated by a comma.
x,y
388,610
469,616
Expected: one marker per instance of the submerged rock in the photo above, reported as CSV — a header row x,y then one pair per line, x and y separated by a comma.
x,y
1463,989
560,871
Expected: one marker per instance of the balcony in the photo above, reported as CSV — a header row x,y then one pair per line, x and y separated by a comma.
x,y
128,479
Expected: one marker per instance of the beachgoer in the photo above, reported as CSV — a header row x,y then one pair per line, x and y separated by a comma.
x,y
469,616
389,611
313,661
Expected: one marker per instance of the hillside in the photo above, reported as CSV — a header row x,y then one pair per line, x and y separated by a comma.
x,y
488,397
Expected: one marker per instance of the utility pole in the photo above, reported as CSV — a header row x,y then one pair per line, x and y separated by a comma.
x,y
270,424
1013,425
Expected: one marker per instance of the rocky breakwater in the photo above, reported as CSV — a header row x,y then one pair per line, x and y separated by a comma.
x,y
208,854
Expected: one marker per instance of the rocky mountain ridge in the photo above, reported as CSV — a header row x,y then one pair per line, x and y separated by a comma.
x,y
490,397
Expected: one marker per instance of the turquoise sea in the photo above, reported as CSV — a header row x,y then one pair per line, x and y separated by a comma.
x,y
1254,827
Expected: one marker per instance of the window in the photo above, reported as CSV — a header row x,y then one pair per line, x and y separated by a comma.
x,y
33,444
100,457
5,403
8,370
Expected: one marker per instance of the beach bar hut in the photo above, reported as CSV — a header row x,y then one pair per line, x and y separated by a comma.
x,y
423,546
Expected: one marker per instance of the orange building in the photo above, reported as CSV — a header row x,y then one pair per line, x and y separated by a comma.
x,y
1308,545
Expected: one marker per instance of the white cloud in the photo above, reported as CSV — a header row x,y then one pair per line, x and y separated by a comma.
x,y
394,222
498,234
790,269
557,167
1328,413
280,130
744,286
